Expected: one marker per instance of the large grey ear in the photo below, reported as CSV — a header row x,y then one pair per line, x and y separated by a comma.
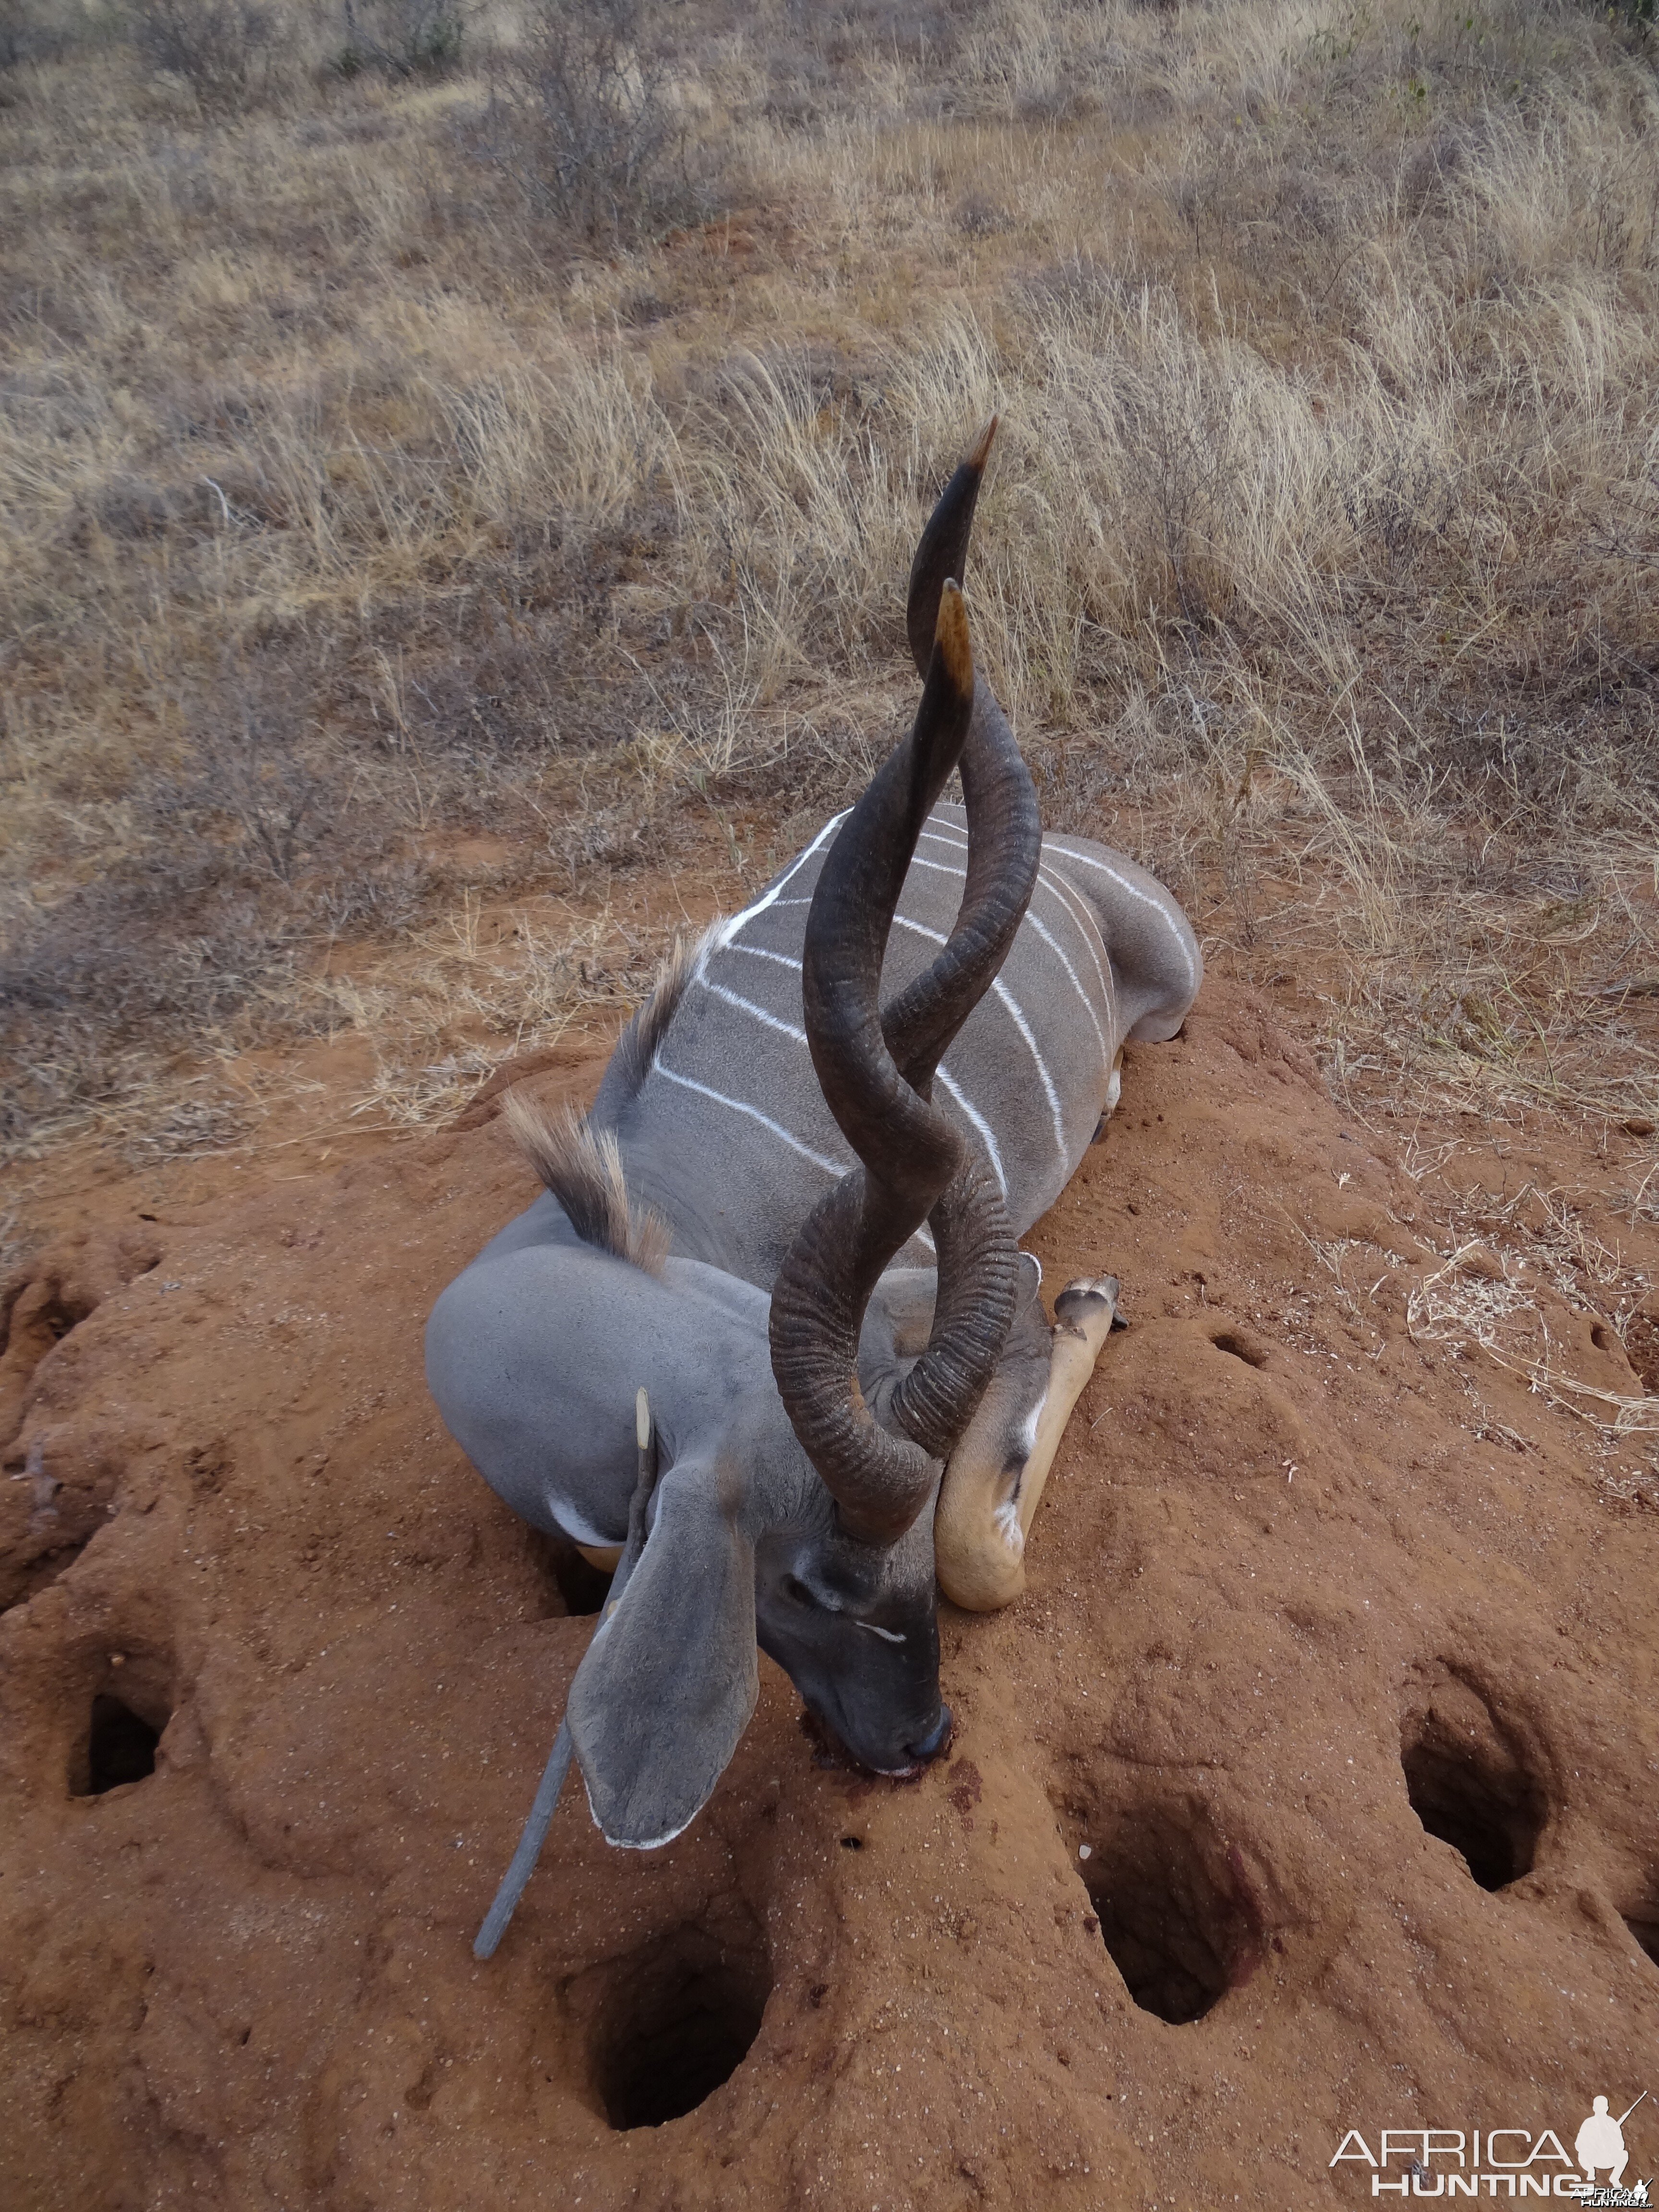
x,y
669,1680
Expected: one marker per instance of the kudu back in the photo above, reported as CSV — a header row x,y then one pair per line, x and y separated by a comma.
x,y
792,1217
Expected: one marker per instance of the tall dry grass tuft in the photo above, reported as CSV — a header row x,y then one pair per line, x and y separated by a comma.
x,y
387,529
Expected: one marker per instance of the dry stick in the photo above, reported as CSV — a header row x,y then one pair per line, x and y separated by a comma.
x,y
523,1862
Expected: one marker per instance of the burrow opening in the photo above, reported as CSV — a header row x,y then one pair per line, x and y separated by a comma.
x,y
42,1316
1182,1923
1642,1922
1642,1349
1470,1786
120,1746
1239,1347
571,1584
676,2020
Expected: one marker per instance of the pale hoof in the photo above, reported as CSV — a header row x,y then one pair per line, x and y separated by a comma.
x,y
1088,1307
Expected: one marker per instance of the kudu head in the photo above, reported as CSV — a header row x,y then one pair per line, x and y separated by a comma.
x,y
807,1526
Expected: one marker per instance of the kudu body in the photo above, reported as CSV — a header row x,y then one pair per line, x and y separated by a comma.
x,y
790,1218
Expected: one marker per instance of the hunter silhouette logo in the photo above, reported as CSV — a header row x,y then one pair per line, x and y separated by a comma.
x,y
1511,2161
1601,2142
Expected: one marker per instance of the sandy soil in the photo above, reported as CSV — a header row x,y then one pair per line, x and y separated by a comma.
x,y
1163,1927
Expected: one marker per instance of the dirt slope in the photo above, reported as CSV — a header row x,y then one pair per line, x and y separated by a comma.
x,y
1295,1570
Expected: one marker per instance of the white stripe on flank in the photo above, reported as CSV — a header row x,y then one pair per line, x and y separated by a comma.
x,y
979,1122
760,952
723,933
739,1106
1018,1011
1060,889
1141,897
721,938
1088,1008
748,1007
921,928
720,935
1025,1028
1071,901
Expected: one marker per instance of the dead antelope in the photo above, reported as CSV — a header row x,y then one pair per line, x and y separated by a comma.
x,y
790,1219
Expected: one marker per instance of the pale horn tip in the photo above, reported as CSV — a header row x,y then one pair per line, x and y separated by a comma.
x,y
952,638
981,451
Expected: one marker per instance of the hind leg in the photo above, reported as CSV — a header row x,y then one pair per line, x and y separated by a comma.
x,y
1157,966
1083,1314
995,1481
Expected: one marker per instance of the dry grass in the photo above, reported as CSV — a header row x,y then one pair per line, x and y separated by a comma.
x,y
357,512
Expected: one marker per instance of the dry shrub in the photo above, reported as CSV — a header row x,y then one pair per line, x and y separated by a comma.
x,y
405,38
231,53
189,921
586,121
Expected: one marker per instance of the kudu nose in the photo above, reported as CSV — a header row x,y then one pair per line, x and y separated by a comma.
x,y
934,1741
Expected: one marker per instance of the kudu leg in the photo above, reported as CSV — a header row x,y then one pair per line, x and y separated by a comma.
x,y
989,1498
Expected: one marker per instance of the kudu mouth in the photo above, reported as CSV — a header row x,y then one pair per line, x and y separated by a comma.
x,y
831,1749
876,1070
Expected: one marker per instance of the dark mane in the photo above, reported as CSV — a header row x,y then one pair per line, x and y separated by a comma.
x,y
637,1046
582,1167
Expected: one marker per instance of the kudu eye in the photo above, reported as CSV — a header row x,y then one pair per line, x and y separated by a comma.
x,y
794,1588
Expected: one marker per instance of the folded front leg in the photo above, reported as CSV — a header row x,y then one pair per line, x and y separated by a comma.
x,y
995,1479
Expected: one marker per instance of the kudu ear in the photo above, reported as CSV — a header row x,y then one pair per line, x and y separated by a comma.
x,y
669,1680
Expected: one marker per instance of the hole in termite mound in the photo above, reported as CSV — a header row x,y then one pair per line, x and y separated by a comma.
x,y
1470,1784
677,2019
1177,1909
120,1747
129,1702
571,1584
1239,1347
1644,1930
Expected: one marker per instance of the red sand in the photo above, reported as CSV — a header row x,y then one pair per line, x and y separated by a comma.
x,y
1283,1543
